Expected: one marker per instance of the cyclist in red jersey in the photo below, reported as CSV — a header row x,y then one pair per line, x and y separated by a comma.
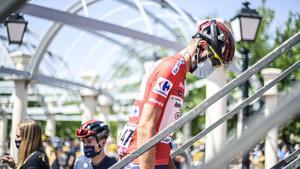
x,y
162,91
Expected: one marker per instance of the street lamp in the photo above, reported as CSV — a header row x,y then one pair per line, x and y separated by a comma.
x,y
16,27
245,26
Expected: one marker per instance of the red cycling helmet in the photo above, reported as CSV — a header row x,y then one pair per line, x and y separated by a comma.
x,y
218,37
93,128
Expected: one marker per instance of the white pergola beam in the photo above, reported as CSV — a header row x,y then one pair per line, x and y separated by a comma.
x,y
47,80
95,25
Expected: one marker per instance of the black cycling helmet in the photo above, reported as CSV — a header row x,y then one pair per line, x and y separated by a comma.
x,y
93,128
217,35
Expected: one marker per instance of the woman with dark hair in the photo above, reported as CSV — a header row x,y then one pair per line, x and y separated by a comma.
x,y
31,151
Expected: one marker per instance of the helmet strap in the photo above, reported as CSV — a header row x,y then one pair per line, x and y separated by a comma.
x,y
98,143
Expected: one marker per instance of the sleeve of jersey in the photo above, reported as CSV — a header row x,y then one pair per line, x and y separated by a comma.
x,y
160,89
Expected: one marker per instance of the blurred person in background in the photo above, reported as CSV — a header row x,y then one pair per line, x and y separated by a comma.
x,y
283,152
70,151
58,157
31,153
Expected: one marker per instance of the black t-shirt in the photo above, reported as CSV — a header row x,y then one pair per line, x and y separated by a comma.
x,y
105,163
37,160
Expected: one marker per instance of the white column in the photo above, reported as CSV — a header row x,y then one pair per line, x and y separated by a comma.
x,y
3,127
20,100
105,108
120,111
215,140
239,127
270,103
89,97
50,129
187,131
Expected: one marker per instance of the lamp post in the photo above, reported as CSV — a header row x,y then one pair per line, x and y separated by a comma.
x,y
245,27
16,27
245,24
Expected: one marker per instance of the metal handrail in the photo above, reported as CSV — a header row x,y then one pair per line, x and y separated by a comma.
x,y
288,108
188,159
286,161
209,101
294,164
237,108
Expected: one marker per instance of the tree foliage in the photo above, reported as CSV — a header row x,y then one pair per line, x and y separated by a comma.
x,y
292,26
195,97
265,43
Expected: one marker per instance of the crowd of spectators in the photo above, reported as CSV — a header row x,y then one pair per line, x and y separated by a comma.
x,y
63,152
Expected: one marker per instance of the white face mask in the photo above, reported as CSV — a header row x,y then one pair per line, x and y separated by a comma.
x,y
204,69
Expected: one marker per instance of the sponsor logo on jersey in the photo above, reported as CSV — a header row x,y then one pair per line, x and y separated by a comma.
x,y
162,87
134,112
180,93
166,140
156,102
181,85
177,115
177,104
177,66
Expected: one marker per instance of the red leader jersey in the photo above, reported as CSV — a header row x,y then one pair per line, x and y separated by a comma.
x,y
163,88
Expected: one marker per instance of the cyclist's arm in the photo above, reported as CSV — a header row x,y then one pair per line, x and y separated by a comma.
x,y
145,131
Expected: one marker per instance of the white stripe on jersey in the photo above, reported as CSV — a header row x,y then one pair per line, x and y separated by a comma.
x,y
145,80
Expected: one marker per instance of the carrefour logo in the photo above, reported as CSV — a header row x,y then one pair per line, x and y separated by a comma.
x,y
165,86
162,86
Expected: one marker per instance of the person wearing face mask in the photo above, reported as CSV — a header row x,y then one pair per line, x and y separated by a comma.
x,y
93,134
162,90
31,151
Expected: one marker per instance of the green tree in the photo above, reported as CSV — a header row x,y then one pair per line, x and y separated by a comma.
x,y
67,128
195,97
292,26
265,43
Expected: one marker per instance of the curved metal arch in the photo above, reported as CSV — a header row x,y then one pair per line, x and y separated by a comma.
x,y
97,34
112,73
141,9
177,23
128,47
173,7
154,17
120,44
124,44
45,42
85,8
117,42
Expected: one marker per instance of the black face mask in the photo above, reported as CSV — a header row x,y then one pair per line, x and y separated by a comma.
x,y
90,152
18,143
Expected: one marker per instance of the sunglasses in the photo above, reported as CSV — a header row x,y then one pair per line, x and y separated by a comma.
x,y
216,60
